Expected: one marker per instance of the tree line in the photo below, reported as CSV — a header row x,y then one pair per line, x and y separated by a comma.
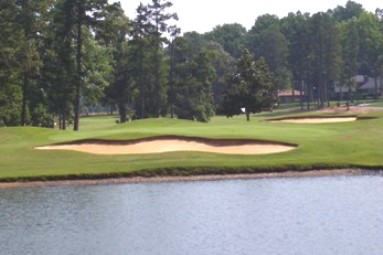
x,y
58,57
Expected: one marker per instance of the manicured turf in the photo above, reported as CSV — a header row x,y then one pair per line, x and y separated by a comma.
x,y
377,104
337,145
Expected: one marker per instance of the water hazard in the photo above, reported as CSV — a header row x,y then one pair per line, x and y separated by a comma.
x,y
321,215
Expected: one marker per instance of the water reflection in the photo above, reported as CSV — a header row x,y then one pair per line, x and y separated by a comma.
x,y
326,215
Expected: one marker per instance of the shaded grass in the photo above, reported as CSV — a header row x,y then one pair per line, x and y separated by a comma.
x,y
330,146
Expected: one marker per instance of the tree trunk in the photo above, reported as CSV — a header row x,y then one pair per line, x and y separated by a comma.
x,y
349,96
308,96
247,115
78,82
341,93
321,93
157,79
171,81
24,102
60,120
376,87
301,94
142,87
122,112
63,125
328,95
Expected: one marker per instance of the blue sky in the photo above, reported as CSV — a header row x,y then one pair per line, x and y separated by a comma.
x,y
204,15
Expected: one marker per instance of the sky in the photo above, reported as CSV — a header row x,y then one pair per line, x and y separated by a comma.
x,y
203,15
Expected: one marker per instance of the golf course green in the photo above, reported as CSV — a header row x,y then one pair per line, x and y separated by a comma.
x,y
354,144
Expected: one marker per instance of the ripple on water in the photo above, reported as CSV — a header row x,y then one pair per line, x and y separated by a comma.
x,y
321,215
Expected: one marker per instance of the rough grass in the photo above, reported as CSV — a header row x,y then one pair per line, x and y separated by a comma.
x,y
337,145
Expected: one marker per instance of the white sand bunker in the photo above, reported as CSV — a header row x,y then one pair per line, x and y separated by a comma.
x,y
316,120
160,145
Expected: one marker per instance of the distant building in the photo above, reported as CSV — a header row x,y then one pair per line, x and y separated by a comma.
x,y
289,96
363,85
371,86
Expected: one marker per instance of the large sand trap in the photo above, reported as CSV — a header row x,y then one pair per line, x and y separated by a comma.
x,y
160,145
316,120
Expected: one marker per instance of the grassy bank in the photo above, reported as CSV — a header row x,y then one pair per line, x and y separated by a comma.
x,y
338,145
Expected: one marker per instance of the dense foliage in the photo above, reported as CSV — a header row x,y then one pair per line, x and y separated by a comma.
x,y
62,58
250,89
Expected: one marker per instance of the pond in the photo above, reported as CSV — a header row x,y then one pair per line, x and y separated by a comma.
x,y
316,215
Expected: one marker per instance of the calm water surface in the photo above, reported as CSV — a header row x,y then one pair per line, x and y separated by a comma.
x,y
325,215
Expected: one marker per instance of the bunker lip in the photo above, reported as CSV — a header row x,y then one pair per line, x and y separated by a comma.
x,y
162,144
318,119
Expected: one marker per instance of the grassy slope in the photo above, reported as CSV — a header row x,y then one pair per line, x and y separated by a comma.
x,y
355,144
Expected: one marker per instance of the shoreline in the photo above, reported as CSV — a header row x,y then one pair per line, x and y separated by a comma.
x,y
163,179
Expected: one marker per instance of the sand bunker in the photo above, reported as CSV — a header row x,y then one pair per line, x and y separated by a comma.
x,y
160,145
316,120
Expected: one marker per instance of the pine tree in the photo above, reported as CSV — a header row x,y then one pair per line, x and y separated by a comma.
x,y
159,18
59,62
32,17
10,72
140,33
325,55
88,14
266,40
295,28
115,37
193,79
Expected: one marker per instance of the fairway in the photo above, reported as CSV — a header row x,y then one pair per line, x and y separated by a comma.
x,y
355,144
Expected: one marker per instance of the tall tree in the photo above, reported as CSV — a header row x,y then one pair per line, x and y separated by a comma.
x,y
350,54
59,62
295,29
349,11
98,67
221,61
371,47
250,88
193,78
267,41
140,33
159,17
88,13
10,73
71,73
115,35
174,32
33,17
325,56
232,37
223,64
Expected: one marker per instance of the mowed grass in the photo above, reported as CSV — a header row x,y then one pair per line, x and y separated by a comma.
x,y
377,104
320,146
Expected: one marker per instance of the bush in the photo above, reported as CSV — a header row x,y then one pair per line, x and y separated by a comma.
x,y
40,117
